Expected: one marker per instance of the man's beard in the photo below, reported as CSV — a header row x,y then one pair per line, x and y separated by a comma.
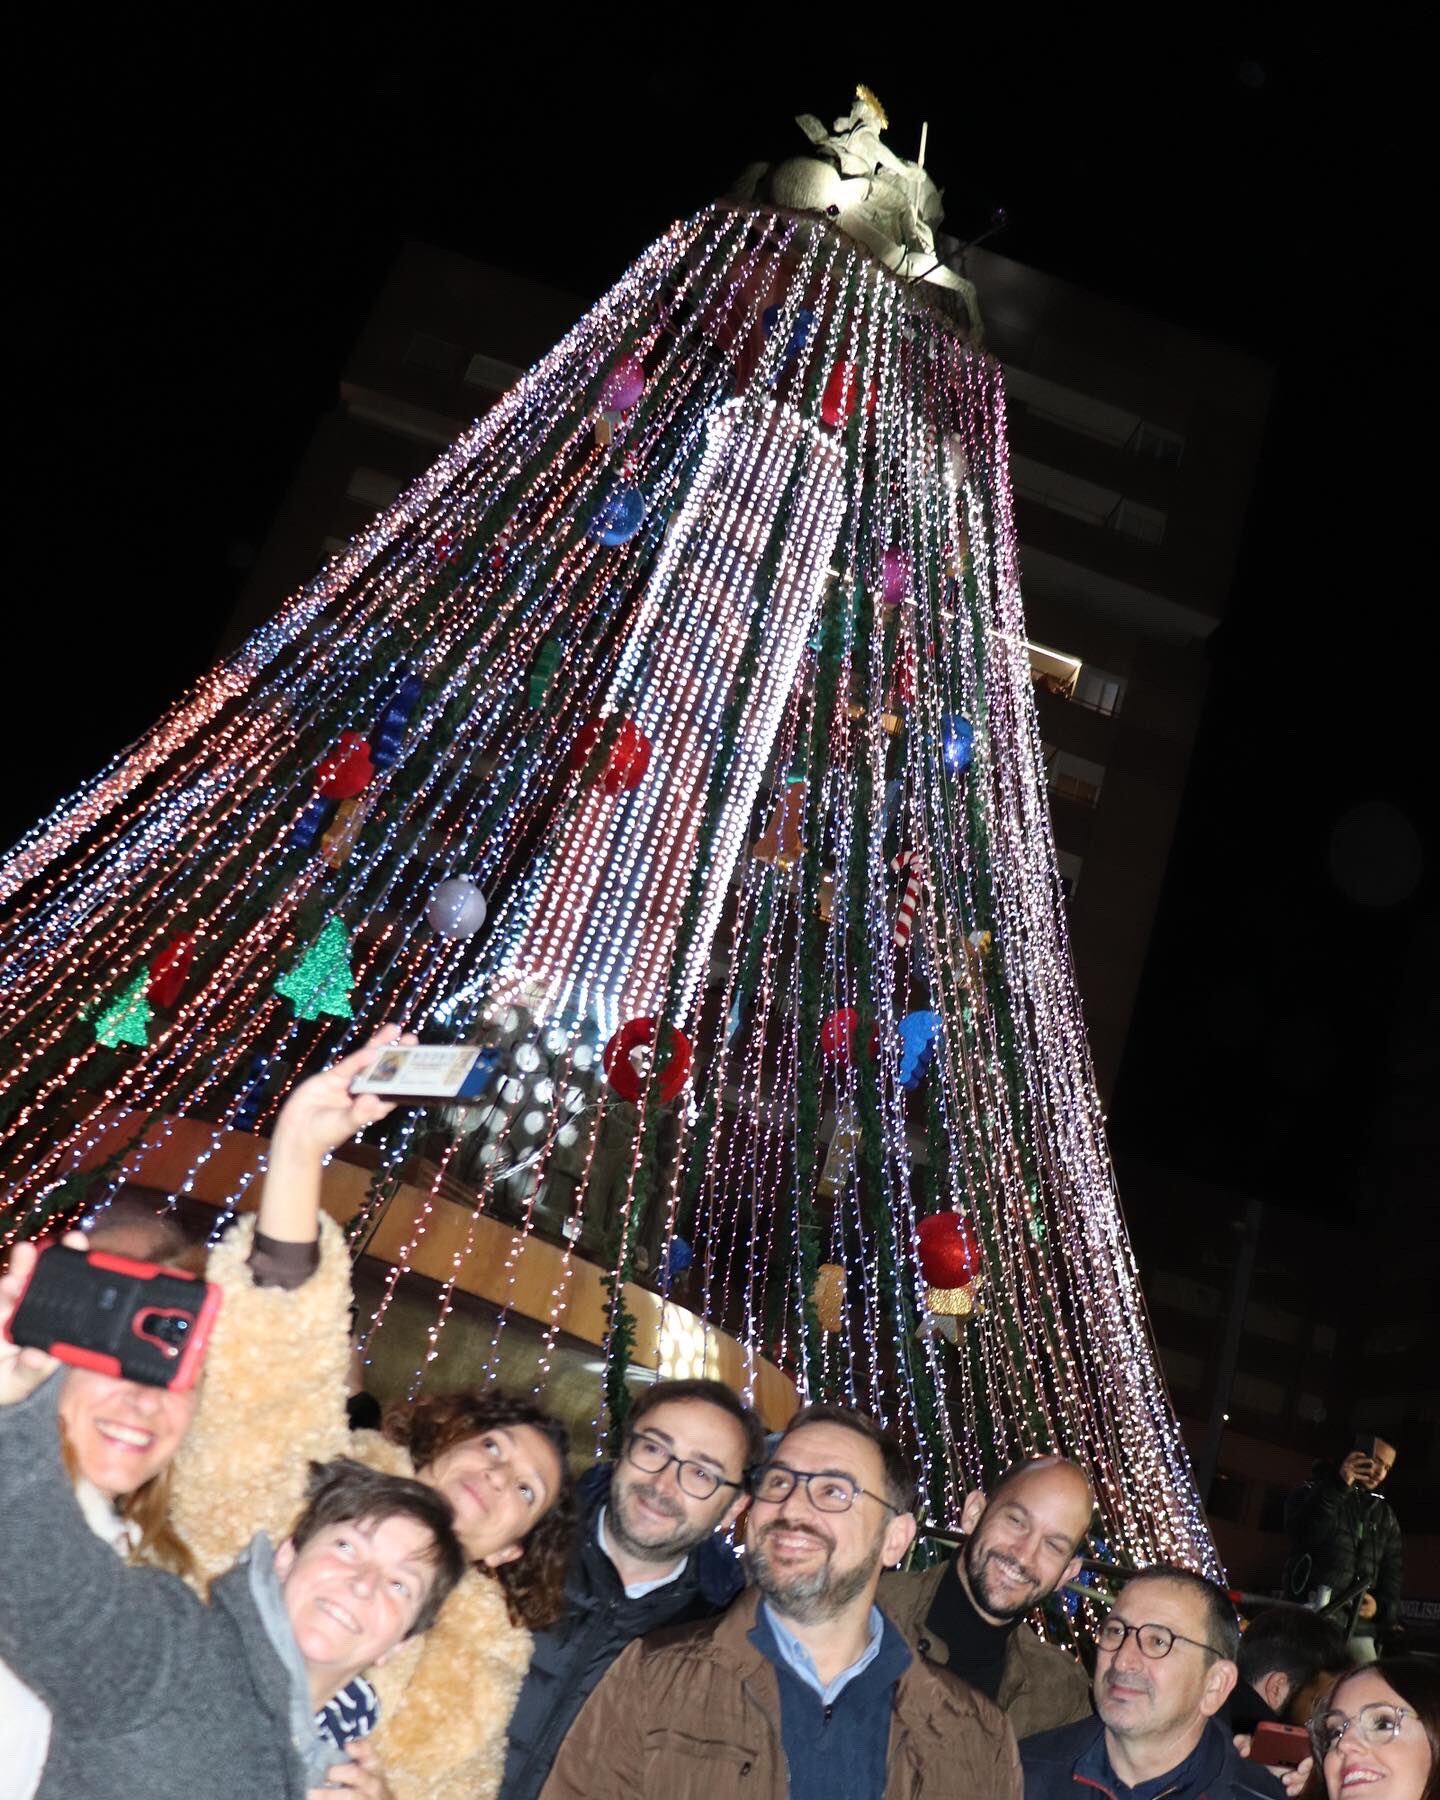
x,y
661,1551
977,1561
818,1594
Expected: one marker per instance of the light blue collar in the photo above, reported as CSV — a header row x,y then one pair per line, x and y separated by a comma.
x,y
799,1660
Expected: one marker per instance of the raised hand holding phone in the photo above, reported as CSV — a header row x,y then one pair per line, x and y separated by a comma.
x,y
319,1116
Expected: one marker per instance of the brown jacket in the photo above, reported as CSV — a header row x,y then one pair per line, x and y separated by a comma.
x,y
1042,1686
693,1713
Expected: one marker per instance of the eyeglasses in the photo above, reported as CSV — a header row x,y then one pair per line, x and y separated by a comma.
x,y
1375,1725
1155,1641
828,1493
650,1456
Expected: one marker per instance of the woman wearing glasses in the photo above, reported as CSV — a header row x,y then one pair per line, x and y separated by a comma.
x,y
1378,1732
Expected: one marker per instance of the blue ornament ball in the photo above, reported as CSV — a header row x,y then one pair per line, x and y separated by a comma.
x,y
958,742
621,516
679,1256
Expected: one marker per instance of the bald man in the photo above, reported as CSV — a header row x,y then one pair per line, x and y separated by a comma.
x,y
1022,1542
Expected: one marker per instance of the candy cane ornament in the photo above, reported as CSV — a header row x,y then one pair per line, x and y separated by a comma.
x,y
910,899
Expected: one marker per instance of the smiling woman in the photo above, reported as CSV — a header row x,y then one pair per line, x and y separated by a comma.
x,y
275,1399
118,1440
500,1462
1380,1729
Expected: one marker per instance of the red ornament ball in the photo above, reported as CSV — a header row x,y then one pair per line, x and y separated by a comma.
x,y
628,758
347,770
837,1034
949,1250
627,1080
842,395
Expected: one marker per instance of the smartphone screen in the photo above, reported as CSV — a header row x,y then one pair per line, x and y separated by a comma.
x,y
429,1073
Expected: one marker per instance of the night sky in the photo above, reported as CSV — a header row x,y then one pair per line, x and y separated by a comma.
x,y
204,225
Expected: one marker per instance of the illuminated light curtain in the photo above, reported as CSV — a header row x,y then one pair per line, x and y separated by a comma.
x,y
822,582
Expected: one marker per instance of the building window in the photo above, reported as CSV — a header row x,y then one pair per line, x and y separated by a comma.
x,y
1146,524
373,487
1272,1322
1272,1507
1184,1372
1069,866
1184,1294
1099,690
437,354
1251,1393
1053,670
1076,778
1227,1497
1154,444
490,373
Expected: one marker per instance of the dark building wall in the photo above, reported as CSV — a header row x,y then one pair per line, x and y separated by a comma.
x,y
1333,1341
1134,446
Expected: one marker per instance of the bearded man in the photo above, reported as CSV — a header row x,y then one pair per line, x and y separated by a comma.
x,y
804,1690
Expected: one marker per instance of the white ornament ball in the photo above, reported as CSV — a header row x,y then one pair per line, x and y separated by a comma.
x,y
456,908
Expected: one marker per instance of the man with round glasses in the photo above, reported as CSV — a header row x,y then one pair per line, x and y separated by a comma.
x,y
650,1551
803,1690
1164,1667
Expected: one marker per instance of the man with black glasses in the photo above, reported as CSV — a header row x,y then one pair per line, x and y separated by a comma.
x,y
1164,1667
804,1689
650,1552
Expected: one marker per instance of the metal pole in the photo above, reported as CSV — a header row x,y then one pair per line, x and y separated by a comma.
x,y
1205,1462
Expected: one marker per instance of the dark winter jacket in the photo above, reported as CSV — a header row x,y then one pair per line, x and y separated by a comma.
x,y
1042,1687
600,1620
1072,1764
694,1713
150,1690
1341,1537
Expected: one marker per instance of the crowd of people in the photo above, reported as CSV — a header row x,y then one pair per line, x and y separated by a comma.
x,y
229,1591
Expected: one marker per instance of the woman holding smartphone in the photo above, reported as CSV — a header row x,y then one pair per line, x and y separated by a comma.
x,y
275,1397
118,1439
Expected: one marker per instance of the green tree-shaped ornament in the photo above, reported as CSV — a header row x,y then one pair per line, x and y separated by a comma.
x,y
321,981
125,1019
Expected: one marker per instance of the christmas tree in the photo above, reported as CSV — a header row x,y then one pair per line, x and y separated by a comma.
x,y
674,737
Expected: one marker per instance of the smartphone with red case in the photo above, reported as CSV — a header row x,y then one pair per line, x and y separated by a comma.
x,y
1279,1746
137,1320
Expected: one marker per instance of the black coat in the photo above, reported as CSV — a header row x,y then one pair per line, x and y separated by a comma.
x,y
1070,1764
600,1620
1343,1536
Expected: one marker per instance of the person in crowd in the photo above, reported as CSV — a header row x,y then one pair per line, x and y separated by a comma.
x,y
153,1691
967,1614
1283,1652
651,1552
117,1442
1164,1666
274,1397
1378,1729
1344,1536
803,1688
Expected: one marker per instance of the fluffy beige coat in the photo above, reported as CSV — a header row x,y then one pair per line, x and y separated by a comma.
x,y
273,1398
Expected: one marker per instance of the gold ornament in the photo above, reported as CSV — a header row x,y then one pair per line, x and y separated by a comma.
x,y
782,843
952,1303
340,835
829,1296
